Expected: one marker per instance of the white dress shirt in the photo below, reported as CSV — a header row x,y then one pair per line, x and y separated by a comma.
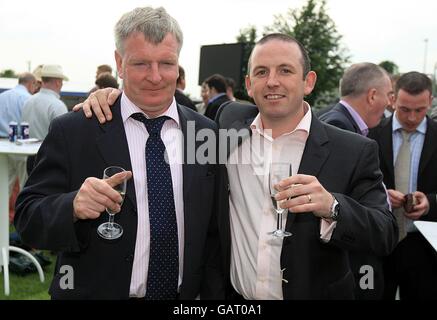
x,y
137,135
255,255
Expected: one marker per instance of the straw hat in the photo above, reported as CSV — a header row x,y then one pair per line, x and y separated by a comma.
x,y
53,71
37,72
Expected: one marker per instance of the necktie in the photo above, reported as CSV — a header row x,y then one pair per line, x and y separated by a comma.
x,y
402,179
162,277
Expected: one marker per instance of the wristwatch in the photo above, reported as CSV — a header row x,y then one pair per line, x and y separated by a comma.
x,y
335,208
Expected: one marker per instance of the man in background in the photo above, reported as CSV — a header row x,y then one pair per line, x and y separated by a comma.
x,y
366,92
11,107
46,105
179,94
216,85
408,159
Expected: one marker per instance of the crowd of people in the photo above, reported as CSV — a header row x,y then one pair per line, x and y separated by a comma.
x,y
195,228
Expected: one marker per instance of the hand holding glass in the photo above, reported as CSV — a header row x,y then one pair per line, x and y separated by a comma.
x,y
278,171
111,230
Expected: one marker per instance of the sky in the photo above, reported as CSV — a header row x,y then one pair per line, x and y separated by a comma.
x,y
78,34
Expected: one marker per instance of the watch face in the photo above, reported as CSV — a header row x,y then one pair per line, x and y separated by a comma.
x,y
335,209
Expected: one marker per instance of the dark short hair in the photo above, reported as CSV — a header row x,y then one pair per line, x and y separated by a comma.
x,y
106,80
181,75
305,59
104,68
413,83
230,83
216,81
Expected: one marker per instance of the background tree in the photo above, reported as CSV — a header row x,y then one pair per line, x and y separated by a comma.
x,y
8,73
389,66
313,27
247,36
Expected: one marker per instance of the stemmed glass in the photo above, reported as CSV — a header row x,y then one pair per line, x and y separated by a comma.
x,y
278,171
111,230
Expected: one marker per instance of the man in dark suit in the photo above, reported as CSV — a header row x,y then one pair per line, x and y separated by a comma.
x,y
408,159
216,85
335,196
179,94
61,205
365,90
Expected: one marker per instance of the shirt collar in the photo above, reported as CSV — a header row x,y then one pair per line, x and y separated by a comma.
x,y
128,108
303,126
398,126
50,91
216,97
356,116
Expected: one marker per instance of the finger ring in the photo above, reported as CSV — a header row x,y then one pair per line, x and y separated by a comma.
x,y
309,198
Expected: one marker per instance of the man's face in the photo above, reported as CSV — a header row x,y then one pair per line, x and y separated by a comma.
x,y
276,81
411,109
381,99
149,72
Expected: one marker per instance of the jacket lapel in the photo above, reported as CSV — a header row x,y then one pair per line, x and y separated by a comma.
x,y
386,146
316,152
112,144
429,146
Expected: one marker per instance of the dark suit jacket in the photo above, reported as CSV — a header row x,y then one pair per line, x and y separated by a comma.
x,y
340,117
182,99
77,148
427,175
347,165
212,108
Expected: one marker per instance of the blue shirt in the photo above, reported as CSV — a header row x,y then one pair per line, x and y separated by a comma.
x,y
357,118
11,106
216,97
416,145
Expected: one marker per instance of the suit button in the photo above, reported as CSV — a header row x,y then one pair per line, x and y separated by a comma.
x,y
129,258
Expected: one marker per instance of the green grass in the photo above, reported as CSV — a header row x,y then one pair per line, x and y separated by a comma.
x,y
28,287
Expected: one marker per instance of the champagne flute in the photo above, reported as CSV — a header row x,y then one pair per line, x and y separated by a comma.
x,y
278,171
111,230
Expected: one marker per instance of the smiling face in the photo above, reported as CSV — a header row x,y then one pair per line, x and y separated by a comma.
x,y
149,72
276,81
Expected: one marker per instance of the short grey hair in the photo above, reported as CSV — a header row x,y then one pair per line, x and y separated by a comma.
x,y
153,23
360,77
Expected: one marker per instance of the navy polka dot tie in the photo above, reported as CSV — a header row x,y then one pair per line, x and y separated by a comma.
x,y
162,278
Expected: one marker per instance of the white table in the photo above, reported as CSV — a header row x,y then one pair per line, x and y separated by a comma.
x,y
429,231
8,148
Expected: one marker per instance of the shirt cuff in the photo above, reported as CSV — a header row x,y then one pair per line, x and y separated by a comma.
x,y
326,229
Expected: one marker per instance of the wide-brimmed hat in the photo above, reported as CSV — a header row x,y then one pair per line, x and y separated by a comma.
x,y
37,72
53,71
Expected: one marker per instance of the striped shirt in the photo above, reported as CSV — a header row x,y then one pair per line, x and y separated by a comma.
x,y
137,135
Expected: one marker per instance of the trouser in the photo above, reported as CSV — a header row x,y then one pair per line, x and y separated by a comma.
x,y
17,168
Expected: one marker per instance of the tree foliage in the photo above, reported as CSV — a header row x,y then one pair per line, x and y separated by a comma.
x,y
389,66
8,73
248,37
313,27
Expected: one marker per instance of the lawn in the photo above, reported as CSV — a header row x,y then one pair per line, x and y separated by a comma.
x,y
28,287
